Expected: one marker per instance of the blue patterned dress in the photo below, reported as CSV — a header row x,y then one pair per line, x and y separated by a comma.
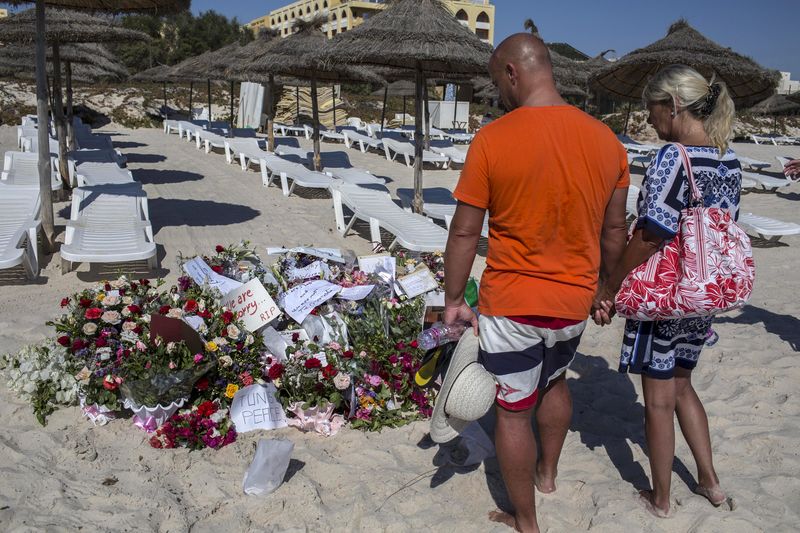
x,y
656,348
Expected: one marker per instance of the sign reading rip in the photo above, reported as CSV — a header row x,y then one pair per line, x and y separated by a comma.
x,y
252,304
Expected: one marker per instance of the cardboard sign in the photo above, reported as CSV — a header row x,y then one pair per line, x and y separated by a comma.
x,y
377,263
300,300
418,282
201,273
252,304
257,407
175,330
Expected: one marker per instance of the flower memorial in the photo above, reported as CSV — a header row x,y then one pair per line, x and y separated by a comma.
x,y
349,356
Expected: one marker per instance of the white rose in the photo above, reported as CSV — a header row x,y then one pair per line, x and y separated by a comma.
x,y
128,326
111,317
170,347
119,282
175,312
249,340
127,300
126,312
110,301
90,328
145,319
176,297
233,331
341,381
201,304
219,341
225,361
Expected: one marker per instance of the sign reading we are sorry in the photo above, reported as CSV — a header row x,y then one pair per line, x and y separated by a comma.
x,y
256,407
252,304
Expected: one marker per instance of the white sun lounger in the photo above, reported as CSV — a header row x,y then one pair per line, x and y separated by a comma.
x,y
208,140
337,165
22,168
437,203
774,139
296,154
767,183
393,148
767,228
411,231
245,150
108,224
286,129
753,164
19,225
459,136
632,202
93,141
324,133
76,158
364,142
91,174
447,149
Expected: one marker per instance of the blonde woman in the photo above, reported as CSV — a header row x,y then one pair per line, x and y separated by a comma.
x,y
684,108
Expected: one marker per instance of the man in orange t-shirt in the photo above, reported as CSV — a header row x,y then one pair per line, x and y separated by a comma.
x,y
554,182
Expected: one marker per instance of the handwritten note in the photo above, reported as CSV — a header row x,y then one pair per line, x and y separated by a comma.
x,y
355,293
300,300
201,273
331,254
257,407
418,282
314,270
377,263
252,304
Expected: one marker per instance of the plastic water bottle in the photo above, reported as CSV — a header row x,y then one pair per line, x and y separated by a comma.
x,y
711,337
439,334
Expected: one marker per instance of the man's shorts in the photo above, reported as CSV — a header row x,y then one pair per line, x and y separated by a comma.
x,y
525,354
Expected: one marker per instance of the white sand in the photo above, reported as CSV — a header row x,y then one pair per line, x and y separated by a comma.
x,y
53,476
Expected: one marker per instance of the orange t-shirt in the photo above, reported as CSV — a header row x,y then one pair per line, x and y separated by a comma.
x,y
546,175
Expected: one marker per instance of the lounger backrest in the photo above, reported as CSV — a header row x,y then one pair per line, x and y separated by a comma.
x,y
399,146
441,143
337,159
109,204
395,135
341,129
291,142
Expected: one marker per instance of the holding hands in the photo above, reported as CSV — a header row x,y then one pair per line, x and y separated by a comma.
x,y
603,305
792,169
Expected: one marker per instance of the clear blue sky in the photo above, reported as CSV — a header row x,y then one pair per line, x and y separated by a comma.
x,y
766,30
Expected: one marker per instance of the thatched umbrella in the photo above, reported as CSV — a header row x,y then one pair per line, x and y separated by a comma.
x,y
747,81
777,104
295,56
158,74
402,88
421,37
39,35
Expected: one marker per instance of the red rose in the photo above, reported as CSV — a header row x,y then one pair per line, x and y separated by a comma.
x,y
400,345
163,310
207,408
126,353
246,379
109,383
295,337
84,302
63,340
138,330
205,313
348,354
134,287
93,313
122,292
220,248
329,371
227,317
100,342
190,306
64,302
414,343
240,346
202,384
107,287
312,362
275,371
134,309
78,344
217,269
144,282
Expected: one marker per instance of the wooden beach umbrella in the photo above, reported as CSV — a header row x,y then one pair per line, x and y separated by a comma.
x,y
747,81
777,104
296,56
39,36
400,87
159,74
422,38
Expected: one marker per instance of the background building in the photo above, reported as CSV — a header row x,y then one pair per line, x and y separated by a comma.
x,y
344,15
787,85
3,13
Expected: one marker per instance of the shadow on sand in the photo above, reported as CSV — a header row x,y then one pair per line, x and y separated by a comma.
x,y
170,212
787,327
155,177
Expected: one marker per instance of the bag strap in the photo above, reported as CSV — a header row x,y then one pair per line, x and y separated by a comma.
x,y
696,197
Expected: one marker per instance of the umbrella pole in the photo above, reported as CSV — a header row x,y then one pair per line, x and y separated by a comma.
x,y
455,108
61,130
270,117
427,117
166,115
420,83
70,109
45,187
232,87
297,104
404,110
191,90
383,111
627,117
208,87
333,93
315,118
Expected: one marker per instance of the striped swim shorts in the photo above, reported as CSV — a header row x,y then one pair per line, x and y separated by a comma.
x,y
526,355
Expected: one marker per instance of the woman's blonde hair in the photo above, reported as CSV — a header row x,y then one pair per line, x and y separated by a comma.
x,y
687,89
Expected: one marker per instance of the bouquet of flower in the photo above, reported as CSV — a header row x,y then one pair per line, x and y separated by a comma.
x,y
313,375
206,425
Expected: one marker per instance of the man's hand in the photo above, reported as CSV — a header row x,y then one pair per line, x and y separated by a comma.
x,y
459,314
792,169
603,305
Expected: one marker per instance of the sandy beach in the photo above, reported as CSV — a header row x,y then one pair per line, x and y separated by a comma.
x,y
70,475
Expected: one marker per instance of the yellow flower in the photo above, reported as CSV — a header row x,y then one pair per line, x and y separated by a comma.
x,y
230,391
101,296
211,346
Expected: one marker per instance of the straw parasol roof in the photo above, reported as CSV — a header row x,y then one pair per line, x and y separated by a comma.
x,y
411,33
154,6
156,74
81,72
794,97
66,27
747,81
208,65
82,53
777,104
397,88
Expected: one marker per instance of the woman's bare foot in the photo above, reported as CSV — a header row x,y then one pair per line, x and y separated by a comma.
x,y
503,517
715,494
646,499
545,483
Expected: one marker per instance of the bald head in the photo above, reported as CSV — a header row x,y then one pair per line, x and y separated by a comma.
x,y
520,68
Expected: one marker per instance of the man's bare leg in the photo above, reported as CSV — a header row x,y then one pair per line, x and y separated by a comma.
x,y
659,425
694,426
516,453
553,417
